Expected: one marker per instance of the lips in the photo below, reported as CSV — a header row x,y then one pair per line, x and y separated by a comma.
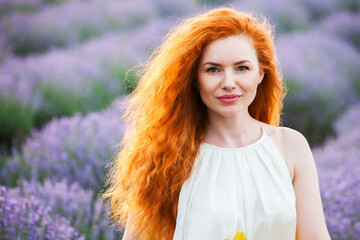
x,y
229,98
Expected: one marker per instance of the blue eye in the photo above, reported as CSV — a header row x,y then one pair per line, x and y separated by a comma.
x,y
212,69
242,68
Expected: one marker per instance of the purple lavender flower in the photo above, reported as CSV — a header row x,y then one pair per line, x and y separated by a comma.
x,y
12,169
62,82
345,25
40,31
339,172
321,81
27,6
74,148
349,121
79,69
319,8
165,8
8,6
4,49
322,8
29,218
84,212
69,201
287,15
126,50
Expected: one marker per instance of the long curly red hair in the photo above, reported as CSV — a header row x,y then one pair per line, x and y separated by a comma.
x,y
167,119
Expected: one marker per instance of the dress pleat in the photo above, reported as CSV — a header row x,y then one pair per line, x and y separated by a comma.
x,y
230,191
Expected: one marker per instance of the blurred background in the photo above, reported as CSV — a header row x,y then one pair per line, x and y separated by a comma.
x,y
66,67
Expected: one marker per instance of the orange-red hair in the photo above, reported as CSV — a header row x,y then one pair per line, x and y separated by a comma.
x,y
167,119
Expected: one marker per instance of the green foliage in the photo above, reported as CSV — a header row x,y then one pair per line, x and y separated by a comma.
x,y
287,24
24,49
294,87
59,102
12,169
55,1
313,118
123,73
356,85
350,5
62,102
88,32
16,119
100,97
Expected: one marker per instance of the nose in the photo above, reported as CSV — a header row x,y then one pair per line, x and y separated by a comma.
x,y
228,81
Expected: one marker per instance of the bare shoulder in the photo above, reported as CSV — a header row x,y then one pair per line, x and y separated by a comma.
x,y
294,141
298,157
276,135
273,131
291,144
296,147
298,151
310,216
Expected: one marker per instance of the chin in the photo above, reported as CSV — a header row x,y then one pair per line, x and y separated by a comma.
x,y
229,112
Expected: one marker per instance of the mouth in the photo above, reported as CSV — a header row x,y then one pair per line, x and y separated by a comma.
x,y
229,98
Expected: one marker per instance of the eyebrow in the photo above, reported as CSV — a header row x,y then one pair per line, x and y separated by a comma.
x,y
218,64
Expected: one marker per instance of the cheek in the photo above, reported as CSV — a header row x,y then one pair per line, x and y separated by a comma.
x,y
252,88
206,92
251,84
206,85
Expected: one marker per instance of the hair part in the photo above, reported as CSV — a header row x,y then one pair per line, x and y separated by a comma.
x,y
168,119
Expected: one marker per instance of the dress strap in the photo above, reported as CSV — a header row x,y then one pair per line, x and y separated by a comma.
x,y
263,133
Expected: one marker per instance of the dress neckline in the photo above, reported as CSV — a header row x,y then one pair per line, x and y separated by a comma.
x,y
263,135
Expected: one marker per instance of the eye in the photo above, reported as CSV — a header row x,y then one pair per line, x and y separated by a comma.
x,y
242,68
213,70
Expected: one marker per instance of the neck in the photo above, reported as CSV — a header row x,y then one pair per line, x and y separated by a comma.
x,y
235,131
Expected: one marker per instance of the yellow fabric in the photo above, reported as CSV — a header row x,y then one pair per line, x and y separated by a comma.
x,y
238,236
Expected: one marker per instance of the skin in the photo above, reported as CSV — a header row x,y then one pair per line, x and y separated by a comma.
x,y
130,233
229,66
230,125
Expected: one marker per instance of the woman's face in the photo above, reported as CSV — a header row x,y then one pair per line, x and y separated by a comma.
x,y
228,75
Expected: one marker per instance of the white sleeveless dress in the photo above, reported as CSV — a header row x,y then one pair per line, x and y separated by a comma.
x,y
247,189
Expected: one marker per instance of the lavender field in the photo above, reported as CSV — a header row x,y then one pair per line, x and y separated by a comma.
x,y
66,67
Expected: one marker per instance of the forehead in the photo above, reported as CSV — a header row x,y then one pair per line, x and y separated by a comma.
x,y
231,48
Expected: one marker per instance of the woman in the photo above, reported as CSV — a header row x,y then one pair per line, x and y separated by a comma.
x,y
205,158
